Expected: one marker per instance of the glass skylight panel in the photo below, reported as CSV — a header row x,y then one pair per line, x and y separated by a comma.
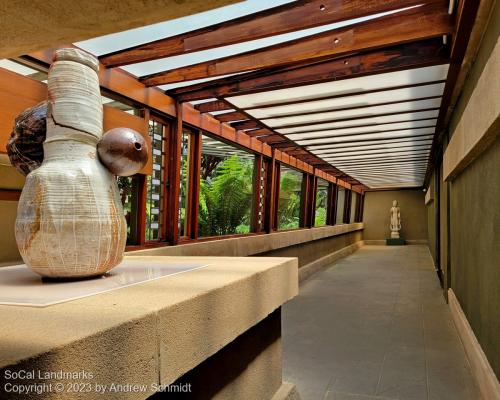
x,y
401,107
368,136
372,156
346,86
388,146
188,83
326,153
133,37
364,129
371,142
362,100
369,113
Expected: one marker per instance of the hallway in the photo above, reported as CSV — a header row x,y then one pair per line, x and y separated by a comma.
x,y
375,326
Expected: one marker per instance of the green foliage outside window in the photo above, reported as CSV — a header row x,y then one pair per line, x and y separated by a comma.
x,y
321,203
225,195
289,199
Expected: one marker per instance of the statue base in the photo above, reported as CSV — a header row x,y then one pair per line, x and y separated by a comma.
x,y
395,242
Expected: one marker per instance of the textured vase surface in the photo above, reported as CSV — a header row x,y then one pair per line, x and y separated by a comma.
x,y
70,220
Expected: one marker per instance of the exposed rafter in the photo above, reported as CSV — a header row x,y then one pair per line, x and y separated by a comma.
x,y
419,23
274,21
412,55
211,106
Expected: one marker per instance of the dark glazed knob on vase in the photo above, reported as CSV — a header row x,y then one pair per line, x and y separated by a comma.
x,y
123,151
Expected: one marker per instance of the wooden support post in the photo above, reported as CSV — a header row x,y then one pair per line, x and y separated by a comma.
x,y
174,173
142,194
272,171
304,201
193,207
312,196
255,224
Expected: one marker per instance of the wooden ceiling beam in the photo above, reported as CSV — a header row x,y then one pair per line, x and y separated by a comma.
x,y
249,124
396,58
418,23
211,106
231,116
260,132
274,21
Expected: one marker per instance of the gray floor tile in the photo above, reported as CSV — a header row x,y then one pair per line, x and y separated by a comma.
x,y
374,326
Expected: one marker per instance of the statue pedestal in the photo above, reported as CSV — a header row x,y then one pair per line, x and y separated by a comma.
x,y
395,242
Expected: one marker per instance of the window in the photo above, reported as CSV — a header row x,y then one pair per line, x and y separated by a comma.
x,y
184,182
340,205
354,202
129,190
155,183
226,185
290,195
321,203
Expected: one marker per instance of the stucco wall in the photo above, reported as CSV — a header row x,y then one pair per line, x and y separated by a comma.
x,y
413,214
474,214
475,249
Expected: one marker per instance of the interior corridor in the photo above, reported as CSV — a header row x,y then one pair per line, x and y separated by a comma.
x,y
375,325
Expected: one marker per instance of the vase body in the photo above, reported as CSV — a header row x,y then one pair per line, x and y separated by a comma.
x,y
70,221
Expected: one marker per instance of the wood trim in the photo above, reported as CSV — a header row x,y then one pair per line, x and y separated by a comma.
x,y
486,379
418,23
211,106
10,195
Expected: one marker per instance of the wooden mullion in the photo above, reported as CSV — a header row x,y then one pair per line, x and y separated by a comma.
x,y
257,175
141,209
194,179
174,177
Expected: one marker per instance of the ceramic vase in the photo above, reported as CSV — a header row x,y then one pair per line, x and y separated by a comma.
x,y
70,221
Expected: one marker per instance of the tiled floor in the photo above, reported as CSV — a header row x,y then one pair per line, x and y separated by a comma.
x,y
375,326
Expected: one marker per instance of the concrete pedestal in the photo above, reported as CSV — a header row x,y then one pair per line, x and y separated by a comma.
x,y
212,333
395,242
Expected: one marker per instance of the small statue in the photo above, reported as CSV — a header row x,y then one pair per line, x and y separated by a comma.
x,y
395,220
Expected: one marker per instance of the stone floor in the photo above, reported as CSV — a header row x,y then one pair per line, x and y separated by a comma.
x,y
375,326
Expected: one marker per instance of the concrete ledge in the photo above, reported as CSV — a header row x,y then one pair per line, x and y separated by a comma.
x,y
287,391
250,245
148,333
309,269
481,368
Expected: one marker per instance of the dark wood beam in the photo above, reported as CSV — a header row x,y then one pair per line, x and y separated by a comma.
x,y
249,124
231,116
274,21
418,23
210,106
259,132
396,58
